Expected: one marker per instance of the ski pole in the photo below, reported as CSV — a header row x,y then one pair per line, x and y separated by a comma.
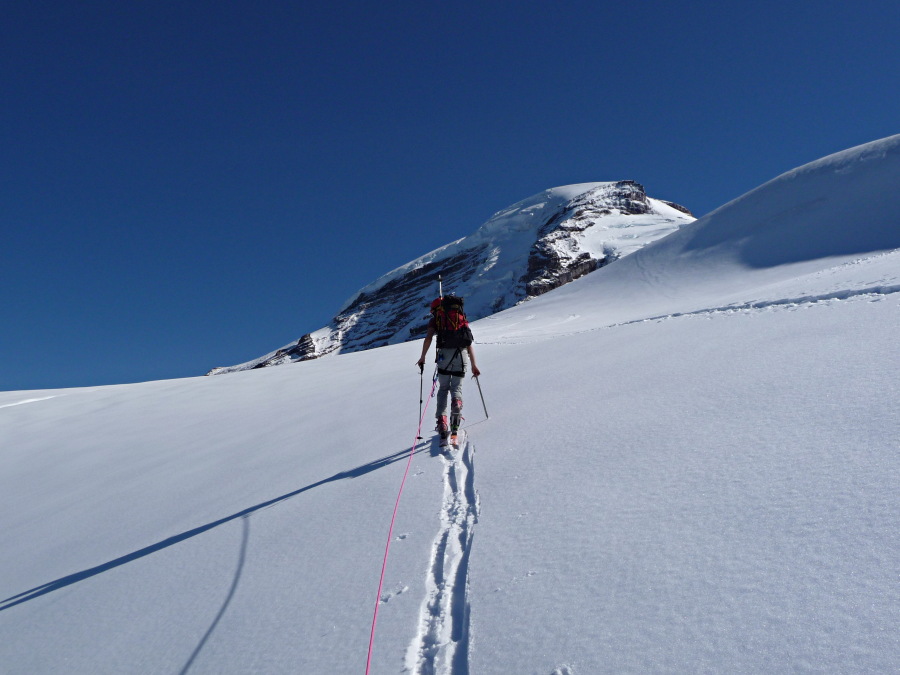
x,y
421,393
478,382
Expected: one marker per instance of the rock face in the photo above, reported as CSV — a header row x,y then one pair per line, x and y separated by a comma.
x,y
555,260
523,251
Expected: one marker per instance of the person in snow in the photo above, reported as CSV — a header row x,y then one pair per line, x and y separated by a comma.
x,y
449,325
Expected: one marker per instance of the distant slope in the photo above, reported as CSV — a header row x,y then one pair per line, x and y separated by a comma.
x,y
807,223
523,251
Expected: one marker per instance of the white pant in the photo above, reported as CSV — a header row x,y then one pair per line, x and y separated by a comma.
x,y
455,360
449,384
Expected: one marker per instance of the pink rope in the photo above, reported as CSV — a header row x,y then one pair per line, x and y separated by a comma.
x,y
387,547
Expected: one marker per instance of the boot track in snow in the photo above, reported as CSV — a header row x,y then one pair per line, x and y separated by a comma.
x,y
441,645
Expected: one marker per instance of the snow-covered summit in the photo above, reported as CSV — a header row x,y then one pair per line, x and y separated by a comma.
x,y
523,251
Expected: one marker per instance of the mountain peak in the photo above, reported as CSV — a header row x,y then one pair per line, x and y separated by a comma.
x,y
522,251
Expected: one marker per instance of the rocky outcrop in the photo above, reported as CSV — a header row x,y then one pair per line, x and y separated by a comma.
x,y
678,207
555,260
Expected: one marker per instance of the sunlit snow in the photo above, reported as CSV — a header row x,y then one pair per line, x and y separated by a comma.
x,y
691,465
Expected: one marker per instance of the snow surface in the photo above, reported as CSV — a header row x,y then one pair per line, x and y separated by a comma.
x,y
691,465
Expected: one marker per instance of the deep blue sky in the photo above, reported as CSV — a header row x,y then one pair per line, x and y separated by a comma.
x,y
191,184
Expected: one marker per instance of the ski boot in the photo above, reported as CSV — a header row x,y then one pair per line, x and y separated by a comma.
x,y
443,430
455,420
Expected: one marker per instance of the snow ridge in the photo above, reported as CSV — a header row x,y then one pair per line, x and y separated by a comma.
x,y
441,645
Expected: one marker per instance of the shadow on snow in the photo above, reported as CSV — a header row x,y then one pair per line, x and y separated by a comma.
x,y
245,537
74,578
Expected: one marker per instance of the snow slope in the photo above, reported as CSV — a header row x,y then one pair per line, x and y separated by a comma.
x,y
810,219
690,466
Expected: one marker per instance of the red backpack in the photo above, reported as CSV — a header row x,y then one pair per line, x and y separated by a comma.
x,y
450,322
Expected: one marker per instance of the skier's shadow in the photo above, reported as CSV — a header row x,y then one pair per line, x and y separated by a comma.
x,y
63,582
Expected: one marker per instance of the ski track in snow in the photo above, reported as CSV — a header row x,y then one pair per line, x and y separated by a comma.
x,y
441,644
871,293
784,302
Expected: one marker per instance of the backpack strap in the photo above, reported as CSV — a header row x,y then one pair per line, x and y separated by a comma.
x,y
454,373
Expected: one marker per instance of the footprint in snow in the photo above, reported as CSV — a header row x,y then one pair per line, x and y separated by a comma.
x,y
515,581
387,597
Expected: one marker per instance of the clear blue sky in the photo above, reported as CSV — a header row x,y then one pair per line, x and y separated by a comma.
x,y
191,184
